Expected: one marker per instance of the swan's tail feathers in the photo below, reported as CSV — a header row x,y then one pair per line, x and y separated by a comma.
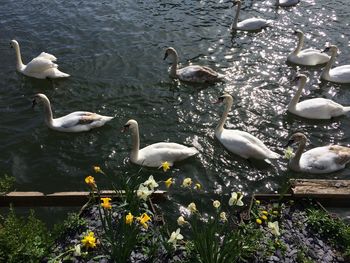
x,y
192,151
60,74
107,118
346,109
274,155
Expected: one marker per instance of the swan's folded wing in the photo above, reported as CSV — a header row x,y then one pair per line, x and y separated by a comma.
x,y
38,65
47,56
76,118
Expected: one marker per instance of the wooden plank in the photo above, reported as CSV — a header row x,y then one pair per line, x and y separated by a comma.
x,y
321,188
34,199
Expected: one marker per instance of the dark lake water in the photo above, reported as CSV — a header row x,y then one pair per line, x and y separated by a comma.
x,y
114,50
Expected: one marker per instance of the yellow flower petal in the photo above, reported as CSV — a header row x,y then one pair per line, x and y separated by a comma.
x,y
169,182
165,166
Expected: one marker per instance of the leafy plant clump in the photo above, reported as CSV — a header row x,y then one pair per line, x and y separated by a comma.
x,y
23,239
6,184
333,229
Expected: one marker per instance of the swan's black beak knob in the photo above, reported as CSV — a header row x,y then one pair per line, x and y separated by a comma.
x,y
125,128
289,143
34,103
165,56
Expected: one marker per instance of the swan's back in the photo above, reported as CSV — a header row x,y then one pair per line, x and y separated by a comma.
x,y
153,155
252,24
325,159
340,74
318,108
309,57
245,145
195,73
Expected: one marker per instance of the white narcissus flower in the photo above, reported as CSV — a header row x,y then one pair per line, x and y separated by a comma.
x,y
151,183
175,236
216,204
274,228
187,182
236,199
143,192
181,221
77,250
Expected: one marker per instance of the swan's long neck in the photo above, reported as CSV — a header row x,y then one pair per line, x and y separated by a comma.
x,y
48,117
235,21
173,68
135,138
220,127
297,95
325,72
20,64
294,162
300,43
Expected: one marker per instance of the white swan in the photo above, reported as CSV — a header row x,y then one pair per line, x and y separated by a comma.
x,y
193,73
317,108
286,3
77,121
40,67
339,74
250,24
240,142
155,154
319,160
306,57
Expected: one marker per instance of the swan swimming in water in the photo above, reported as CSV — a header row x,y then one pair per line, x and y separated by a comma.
x,y
339,74
40,67
250,24
77,121
287,3
306,57
193,73
316,108
239,142
319,160
155,154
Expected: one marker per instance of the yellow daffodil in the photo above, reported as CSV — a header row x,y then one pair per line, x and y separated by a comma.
x,y
106,202
187,182
223,217
143,219
151,183
181,221
192,207
169,182
216,204
89,180
143,192
89,240
98,169
198,186
288,153
264,217
257,202
264,212
129,219
165,166
236,199
275,212
175,236
274,228
258,221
